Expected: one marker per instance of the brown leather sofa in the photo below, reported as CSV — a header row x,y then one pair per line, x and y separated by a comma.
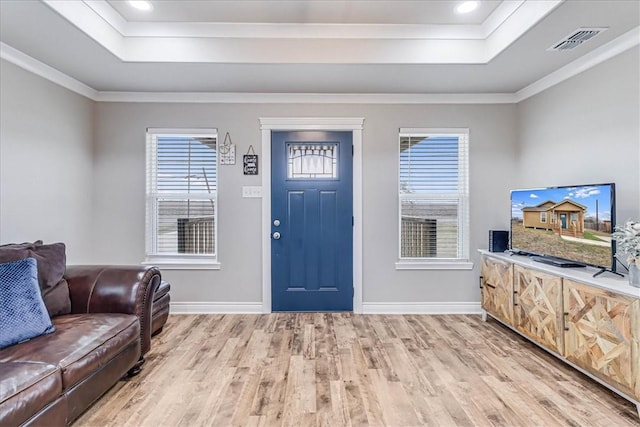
x,y
50,380
160,311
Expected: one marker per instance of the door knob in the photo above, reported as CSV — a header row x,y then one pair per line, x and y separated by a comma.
x,y
276,236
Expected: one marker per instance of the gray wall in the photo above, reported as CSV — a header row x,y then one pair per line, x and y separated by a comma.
x,y
45,163
586,130
73,171
119,180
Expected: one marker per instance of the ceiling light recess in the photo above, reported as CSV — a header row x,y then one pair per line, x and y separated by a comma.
x,y
467,6
141,5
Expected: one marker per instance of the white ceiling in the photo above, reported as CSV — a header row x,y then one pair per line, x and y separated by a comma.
x,y
310,46
307,11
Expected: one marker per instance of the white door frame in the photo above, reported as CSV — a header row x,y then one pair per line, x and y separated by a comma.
x,y
354,124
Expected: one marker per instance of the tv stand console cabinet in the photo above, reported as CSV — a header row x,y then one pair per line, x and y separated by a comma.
x,y
592,324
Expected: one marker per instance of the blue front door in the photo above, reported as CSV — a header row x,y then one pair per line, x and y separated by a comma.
x,y
311,224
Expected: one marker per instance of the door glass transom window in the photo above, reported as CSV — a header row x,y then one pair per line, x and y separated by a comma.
x,y
312,161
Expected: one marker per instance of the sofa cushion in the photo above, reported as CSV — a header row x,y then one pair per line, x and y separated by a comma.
x,y
82,344
26,388
52,261
23,314
24,244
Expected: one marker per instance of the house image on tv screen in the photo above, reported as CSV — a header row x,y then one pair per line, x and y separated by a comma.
x,y
573,223
565,217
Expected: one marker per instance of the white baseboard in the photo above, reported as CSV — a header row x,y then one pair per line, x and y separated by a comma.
x,y
421,307
215,307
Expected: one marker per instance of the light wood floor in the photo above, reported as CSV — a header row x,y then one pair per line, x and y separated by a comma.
x,y
342,369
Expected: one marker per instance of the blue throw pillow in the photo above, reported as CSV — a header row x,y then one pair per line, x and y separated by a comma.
x,y
23,314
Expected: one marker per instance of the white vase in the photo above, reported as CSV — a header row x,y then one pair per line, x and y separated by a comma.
x,y
634,275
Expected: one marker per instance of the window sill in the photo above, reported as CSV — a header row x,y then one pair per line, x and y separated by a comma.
x,y
183,263
434,265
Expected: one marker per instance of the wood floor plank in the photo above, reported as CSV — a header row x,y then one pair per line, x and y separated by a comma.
x,y
460,414
371,400
438,414
344,369
531,414
379,383
245,401
339,410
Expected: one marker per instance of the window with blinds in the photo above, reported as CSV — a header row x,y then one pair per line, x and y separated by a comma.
x,y
182,187
434,194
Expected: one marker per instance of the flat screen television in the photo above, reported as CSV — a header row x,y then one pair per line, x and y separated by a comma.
x,y
568,226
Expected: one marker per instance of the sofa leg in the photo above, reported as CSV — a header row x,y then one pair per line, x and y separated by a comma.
x,y
136,368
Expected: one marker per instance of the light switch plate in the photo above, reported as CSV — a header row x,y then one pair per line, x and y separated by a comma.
x,y
251,192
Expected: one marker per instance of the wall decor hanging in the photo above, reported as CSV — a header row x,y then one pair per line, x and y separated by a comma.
x,y
227,151
250,162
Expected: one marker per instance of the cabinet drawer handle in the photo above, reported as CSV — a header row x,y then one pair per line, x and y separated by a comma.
x,y
481,279
564,320
515,296
490,285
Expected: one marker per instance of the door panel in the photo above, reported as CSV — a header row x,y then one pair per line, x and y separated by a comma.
x,y
538,310
328,265
295,252
602,334
497,288
312,198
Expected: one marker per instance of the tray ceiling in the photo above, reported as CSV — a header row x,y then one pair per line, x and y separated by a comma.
x,y
309,46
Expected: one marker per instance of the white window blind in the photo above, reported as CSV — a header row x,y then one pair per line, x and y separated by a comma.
x,y
182,187
434,194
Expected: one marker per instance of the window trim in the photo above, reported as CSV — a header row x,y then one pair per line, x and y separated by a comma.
x,y
543,217
175,261
464,261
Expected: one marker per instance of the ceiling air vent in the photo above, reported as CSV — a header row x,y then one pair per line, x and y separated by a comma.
x,y
576,38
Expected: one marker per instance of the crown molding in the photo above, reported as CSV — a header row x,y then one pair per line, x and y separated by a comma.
x,y
305,98
111,16
500,15
597,56
283,30
519,22
87,20
268,43
43,70
280,30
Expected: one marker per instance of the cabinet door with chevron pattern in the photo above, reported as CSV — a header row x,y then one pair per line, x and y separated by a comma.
x,y
603,335
538,307
497,288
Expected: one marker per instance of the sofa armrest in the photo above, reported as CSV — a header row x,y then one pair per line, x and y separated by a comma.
x,y
115,289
